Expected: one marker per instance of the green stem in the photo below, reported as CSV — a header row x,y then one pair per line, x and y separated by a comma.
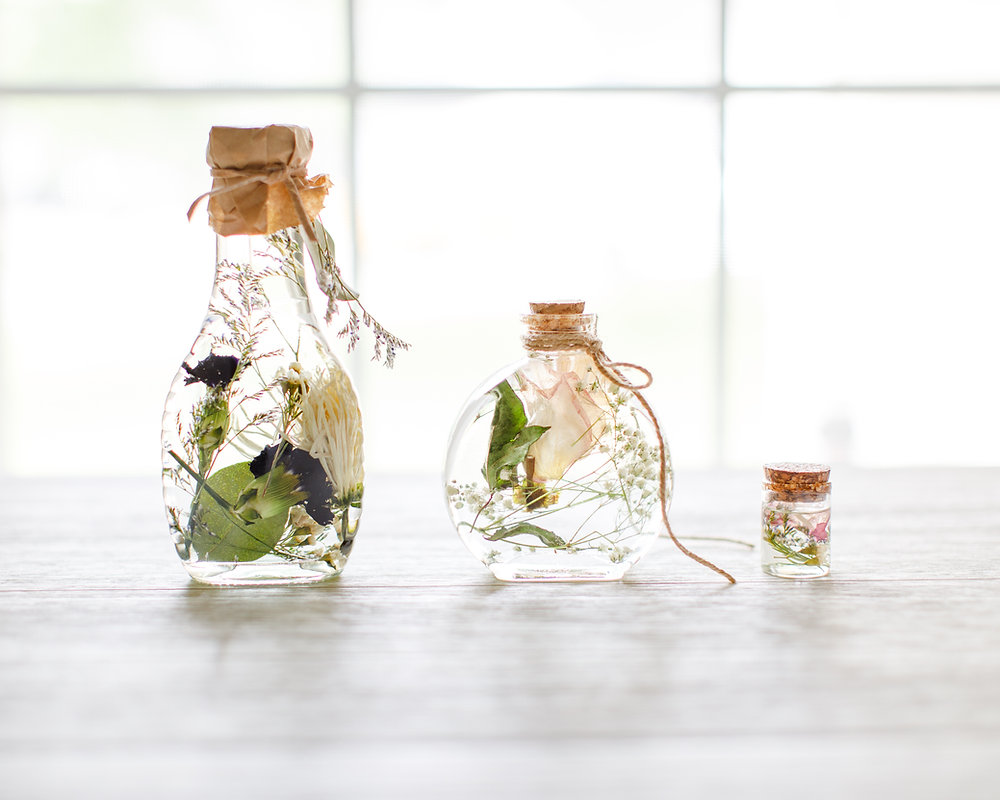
x,y
538,515
791,555
481,510
586,519
203,485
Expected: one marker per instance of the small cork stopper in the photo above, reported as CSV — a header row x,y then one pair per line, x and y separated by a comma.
x,y
562,316
797,477
558,307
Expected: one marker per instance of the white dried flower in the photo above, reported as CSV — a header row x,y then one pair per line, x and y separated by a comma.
x,y
331,432
575,421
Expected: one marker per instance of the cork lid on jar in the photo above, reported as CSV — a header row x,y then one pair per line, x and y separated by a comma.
x,y
795,477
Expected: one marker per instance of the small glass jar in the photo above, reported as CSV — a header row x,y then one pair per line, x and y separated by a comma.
x,y
795,520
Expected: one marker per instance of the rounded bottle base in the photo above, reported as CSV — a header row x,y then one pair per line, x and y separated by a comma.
x,y
796,570
285,573
519,572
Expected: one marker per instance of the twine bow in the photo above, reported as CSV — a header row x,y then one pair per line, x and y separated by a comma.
x,y
291,177
611,370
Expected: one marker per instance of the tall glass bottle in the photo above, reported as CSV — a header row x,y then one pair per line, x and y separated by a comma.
x,y
263,471
552,470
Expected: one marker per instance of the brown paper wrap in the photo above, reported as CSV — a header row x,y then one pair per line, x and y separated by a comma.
x,y
259,180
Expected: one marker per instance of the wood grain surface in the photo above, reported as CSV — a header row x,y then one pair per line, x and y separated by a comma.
x,y
416,674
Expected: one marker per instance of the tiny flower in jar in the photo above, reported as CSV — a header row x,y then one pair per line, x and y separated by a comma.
x,y
574,420
294,385
798,522
794,539
819,531
293,380
774,521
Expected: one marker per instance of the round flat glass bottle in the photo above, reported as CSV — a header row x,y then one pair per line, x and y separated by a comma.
x,y
552,470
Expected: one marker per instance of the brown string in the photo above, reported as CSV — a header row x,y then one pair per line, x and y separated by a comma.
x,y
289,176
576,340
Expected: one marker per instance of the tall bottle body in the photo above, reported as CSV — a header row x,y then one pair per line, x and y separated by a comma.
x,y
263,471
552,472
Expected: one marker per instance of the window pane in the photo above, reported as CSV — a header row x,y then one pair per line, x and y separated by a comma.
x,y
828,42
103,283
247,43
537,42
470,207
865,271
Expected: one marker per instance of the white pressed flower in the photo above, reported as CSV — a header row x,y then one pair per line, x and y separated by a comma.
x,y
574,420
331,432
294,383
293,374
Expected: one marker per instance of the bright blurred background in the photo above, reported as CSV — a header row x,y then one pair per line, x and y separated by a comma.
x,y
786,209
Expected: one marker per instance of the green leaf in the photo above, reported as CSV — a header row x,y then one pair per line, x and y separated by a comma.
x,y
217,536
513,453
548,538
270,495
509,438
508,415
323,255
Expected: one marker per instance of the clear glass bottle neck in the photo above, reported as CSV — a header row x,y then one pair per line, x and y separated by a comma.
x,y
561,358
242,259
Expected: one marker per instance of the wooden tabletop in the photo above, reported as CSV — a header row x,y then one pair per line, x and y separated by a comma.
x,y
416,674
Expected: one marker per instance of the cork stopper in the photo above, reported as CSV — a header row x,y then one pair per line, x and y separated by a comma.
x,y
560,316
797,478
558,307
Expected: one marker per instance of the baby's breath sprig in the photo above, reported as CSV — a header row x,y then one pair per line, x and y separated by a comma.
x,y
623,471
323,255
